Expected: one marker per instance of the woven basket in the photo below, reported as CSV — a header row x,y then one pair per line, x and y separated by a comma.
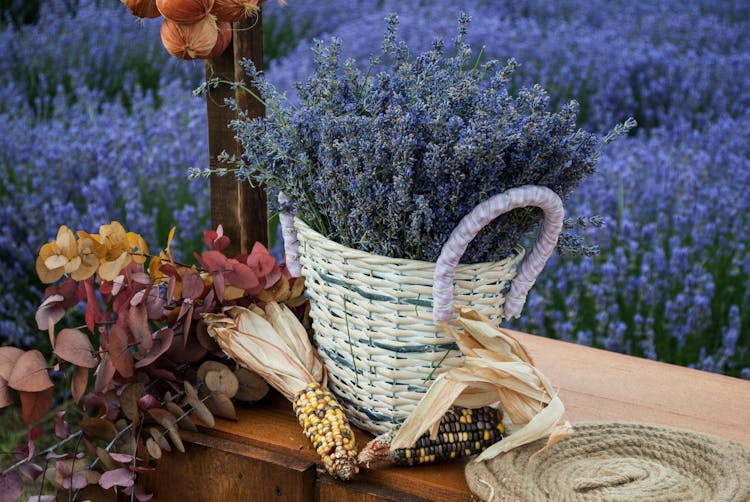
x,y
376,319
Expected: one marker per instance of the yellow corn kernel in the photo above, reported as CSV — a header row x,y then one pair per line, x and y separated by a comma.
x,y
325,424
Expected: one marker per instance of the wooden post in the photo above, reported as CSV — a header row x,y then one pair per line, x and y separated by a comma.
x,y
240,208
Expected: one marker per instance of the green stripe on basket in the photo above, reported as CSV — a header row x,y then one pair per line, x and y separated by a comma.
x,y
372,413
368,295
403,349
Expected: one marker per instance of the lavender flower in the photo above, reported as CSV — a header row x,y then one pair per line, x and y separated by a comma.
x,y
391,162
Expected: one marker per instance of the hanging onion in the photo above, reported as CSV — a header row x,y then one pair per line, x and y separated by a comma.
x,y
222,41
142,8
190,41
184,11
234,10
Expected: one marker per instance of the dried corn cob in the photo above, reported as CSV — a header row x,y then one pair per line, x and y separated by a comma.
x,y
276,347
323,420
462,432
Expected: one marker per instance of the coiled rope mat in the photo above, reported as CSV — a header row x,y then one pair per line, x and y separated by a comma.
x,y
618,461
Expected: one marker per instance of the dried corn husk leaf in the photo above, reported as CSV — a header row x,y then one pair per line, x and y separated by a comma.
x,y
496,367
291,330
251,340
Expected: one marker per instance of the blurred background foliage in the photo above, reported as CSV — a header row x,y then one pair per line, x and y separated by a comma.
x,y
97,123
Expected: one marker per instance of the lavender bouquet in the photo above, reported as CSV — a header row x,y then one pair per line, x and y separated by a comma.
x,y
389,158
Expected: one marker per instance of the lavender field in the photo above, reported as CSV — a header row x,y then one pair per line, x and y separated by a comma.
x,y
97,123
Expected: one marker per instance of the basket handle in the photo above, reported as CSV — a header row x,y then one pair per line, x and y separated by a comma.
x,y
289,234
478,218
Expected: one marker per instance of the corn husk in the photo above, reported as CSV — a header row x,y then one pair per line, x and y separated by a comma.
x,y
273,343
282,355
496,368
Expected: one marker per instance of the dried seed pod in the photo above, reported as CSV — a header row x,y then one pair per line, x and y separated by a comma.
x,y
153,449
184,11
223,381
199,407
207,366
234,10
168,421
252,386
184,422
190,41
221,406
142,8
159,438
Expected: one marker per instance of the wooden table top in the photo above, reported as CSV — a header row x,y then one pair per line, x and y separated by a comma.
x,y
593,384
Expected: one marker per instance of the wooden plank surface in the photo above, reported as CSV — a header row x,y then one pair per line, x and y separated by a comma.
x,y
593,384
599,385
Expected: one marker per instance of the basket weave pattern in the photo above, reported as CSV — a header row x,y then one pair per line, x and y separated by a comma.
x,y
373,323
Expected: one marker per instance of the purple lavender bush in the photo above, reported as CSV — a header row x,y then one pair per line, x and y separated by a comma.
x,y
390,162
86,137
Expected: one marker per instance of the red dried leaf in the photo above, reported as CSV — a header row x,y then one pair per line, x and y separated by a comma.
x,y
162,340
99,428
122,458
34,405
148,402
62,428
8,358
49,312
192,285
6,398
213,261
261,260
104,373
155,307
140,278
93,312
141,470
169,270
75,482
74,346
218,279
216,238
11,486
79,382
119,351
23,451
129,401
191,352
118,477
201,334
30,470
33,434
30,373
138,324
242,276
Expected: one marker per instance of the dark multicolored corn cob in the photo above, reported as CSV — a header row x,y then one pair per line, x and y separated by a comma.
x,y
462,432
324,423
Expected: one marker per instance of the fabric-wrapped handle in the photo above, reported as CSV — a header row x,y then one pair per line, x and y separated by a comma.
x,y
291,244
478,218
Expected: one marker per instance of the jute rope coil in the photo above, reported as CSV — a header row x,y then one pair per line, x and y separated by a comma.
x,y
618,461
